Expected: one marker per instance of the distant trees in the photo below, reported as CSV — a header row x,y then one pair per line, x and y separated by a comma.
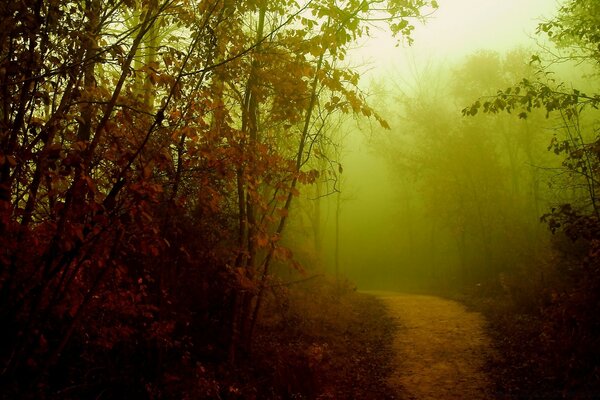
x,y
471,186
575,34
472,192
562,328
149,155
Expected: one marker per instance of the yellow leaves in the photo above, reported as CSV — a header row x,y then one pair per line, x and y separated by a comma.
x,y
130,4
354,102
315,50
34,121
384,124
309,23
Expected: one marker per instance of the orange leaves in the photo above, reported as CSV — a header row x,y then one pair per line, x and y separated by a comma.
x,y
10,160
243,281
283,253
262,240
161,206
147,171
308,176
73,235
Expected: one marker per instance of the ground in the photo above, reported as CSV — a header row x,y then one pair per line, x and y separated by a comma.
x,y
325,345
376,346
440,349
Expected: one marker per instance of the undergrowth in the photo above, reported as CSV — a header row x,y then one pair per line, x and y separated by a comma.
x,y
545,325
320,341
315,341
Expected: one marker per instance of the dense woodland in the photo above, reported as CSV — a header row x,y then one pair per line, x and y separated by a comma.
x,y
151,154
162,169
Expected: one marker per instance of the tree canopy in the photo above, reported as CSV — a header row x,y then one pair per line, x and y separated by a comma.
x,y
150,151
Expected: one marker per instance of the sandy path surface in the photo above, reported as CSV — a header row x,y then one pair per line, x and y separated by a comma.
x,y
440,349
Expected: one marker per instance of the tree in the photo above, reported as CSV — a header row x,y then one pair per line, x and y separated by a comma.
x,y
573,216
575,32
468,189
149,156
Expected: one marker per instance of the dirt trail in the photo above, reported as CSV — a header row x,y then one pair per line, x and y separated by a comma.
x,y
440,349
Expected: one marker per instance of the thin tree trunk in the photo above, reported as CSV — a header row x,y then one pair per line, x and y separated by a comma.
x,y
290,195
338,211
247,220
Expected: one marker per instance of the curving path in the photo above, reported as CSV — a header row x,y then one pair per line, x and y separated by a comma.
x,y
440,349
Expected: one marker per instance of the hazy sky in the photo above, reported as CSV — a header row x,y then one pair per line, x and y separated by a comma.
x,y
460,27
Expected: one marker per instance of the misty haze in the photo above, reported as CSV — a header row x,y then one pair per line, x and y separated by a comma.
x,y
321,199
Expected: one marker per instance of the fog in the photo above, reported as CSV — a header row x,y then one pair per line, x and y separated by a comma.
x,y
389,237
195,196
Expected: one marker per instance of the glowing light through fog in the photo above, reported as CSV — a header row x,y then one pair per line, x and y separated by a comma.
x,y
460,27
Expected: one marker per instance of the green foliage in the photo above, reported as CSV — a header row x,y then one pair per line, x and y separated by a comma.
x,y
574,29
528,95
560,333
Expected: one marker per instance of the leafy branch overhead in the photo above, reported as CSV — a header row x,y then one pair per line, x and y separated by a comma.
x,y
574,32
151,154
529,95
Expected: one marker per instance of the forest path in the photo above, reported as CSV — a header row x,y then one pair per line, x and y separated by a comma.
x,y
440,349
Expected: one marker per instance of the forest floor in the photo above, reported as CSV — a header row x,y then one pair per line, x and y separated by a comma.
x,y
323,345
440,349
